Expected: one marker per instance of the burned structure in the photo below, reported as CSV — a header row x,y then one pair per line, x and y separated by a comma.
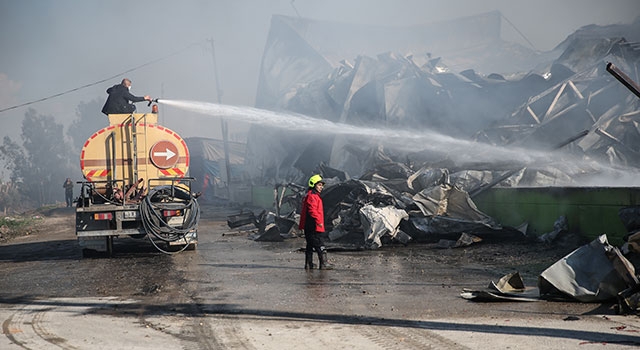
x,y
456,79
461,111
457,107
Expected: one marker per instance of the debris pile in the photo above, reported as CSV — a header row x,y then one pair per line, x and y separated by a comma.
x,y
564,122
557,119
595,272
562,93
369,212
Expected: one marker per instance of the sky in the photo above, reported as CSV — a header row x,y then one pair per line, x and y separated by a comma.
x,y
48,47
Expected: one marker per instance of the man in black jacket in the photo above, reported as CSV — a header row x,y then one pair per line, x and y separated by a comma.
x,y
120,100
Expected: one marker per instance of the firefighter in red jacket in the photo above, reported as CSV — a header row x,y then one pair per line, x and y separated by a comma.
x,y
312,222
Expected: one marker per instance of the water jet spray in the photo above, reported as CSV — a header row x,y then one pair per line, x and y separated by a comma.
x,y
459,150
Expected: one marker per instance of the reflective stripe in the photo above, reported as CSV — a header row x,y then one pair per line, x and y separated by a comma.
x,y
172,172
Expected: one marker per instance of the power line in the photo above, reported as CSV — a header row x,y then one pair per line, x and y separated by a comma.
x,y
102,80
294,8
518,30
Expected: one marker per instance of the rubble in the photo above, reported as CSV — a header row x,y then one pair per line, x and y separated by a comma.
x,y
559,226
510,287
632,244
378,222
364,214
464,240
562,100
555,95
380,192
241,219
595,272
587,275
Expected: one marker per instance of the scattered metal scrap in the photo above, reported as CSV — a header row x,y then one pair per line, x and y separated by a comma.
x,y
623,78
559,226
464,240
265,226
595,272
241,219
509,288
366,214
378,222
588,274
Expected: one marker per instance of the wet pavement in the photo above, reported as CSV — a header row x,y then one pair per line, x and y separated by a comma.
x,y
235,293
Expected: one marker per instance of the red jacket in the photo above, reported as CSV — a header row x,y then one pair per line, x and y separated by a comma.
x,y
312,214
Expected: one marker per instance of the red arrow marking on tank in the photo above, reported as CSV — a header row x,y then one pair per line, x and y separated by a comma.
x,y
164,154
167,154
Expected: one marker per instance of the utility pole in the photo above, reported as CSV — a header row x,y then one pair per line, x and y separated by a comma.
x,y
161,115
223,122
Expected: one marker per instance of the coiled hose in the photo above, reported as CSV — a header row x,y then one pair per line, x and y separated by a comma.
x,y
154,223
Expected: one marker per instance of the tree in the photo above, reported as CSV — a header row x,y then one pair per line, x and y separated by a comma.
x,y
13,155
10,198
15,158
44,164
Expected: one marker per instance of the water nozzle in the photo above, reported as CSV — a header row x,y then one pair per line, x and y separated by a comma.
x,y
152,101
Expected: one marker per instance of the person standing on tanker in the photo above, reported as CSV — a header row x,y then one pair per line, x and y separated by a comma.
x,y
312,222
120,100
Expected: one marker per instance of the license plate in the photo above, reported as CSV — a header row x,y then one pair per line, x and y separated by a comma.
x,y
131,214
175,221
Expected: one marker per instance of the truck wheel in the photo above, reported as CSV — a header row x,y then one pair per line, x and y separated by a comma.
x,y
109,246
88,253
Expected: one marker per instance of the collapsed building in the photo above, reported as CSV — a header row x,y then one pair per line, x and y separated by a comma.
x,y
432,80
307,68
491,113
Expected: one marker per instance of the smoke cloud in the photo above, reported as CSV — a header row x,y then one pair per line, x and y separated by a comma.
x,y
167,48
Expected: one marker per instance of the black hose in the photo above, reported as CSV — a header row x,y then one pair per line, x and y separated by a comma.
x,y
155,224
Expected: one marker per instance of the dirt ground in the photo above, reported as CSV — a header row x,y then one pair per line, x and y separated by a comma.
x,y
233,292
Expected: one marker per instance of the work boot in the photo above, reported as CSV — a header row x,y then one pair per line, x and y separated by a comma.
x,y
324,262
308,260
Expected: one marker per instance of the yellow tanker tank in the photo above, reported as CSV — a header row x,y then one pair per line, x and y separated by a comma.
x,y
134,147
136,185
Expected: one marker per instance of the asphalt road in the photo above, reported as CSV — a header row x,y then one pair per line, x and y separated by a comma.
x,y
236,293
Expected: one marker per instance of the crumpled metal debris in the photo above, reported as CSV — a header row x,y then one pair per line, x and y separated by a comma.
x,y
382,221
629,300
449,200
375,212
268,226
568,92
271,233
632,244
508,288
595,272
587,274
563,92
465,240
559,226
241,219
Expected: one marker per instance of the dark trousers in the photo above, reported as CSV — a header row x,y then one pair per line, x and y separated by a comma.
x,y
313,242
68,197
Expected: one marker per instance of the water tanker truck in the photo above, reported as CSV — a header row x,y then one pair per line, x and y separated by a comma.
x,y
136,187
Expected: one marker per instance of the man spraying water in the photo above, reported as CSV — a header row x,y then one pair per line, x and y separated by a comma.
x,y
120,100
